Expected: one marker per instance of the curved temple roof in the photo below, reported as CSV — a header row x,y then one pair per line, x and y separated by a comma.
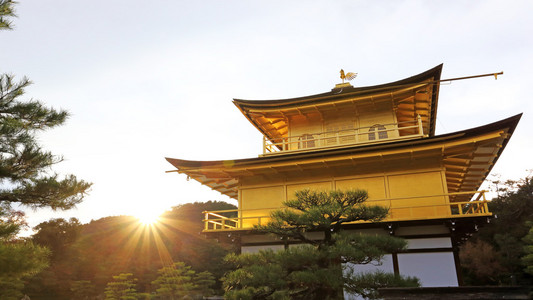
x,y
467,156
416,95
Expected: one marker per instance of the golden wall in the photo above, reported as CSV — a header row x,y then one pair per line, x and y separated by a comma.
x,y
322,128
408,195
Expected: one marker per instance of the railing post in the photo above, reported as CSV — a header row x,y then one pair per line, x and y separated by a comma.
x,y
206,221
264,144
420,128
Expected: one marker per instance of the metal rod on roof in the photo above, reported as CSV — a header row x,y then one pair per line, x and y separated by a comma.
x,y
474,76
433,82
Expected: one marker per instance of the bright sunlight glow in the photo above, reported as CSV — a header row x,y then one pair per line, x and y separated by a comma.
x,y
148,217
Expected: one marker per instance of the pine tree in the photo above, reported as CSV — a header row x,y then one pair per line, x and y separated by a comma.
x,y
122,288
317,269
24,173
83,289
175,282
204,282
18,261
527,259
24,165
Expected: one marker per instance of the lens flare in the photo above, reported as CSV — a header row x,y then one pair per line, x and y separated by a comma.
x,y
148,220
147,217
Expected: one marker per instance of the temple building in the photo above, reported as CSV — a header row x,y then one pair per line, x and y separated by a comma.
x,y
378,138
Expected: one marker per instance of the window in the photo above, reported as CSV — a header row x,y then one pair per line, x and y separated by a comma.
x,y
382,133
307,141
339,131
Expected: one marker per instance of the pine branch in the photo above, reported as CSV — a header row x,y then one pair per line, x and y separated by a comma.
x,y
48,192
27,115
6,11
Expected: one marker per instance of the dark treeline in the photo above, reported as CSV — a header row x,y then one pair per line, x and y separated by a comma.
x,y
495,254
95,252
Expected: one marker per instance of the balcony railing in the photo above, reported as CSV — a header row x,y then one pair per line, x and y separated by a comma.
x,y
364,135
239,219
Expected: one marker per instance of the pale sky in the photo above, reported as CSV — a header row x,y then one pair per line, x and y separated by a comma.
x,y
145,80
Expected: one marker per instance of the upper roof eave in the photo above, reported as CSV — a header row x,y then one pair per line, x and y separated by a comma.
x,y
509,124
433,74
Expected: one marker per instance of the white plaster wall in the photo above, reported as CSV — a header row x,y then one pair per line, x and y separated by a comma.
x,y
433,269
385,266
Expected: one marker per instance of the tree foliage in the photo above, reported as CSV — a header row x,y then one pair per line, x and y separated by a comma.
x,y
318,269
58,235
24,165
19,260
205,282
122,288
175,282
527,259
494,254
482,260
321,211
83,290
367,284
25,178
179,281
96,251
7,11
11,221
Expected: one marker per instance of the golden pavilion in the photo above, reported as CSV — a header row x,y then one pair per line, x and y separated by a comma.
x,y
378,138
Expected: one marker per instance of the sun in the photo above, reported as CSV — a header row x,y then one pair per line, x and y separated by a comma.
x,y
148,220
148,217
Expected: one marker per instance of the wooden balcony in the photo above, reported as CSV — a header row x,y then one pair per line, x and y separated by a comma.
x,y
378,133
238,219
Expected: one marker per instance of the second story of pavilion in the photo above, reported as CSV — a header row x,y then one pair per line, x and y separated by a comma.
x,y
347,116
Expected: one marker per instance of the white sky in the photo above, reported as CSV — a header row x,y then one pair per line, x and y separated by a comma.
x,y
149,79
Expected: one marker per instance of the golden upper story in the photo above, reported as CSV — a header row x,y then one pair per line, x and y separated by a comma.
x,y
403,109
